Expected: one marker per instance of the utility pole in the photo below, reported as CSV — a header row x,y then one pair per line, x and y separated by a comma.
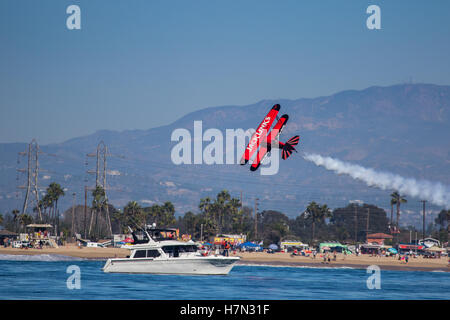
x,y
367,225
201,232
242,210
356,223
73,214
416,242
85,210
242,203
256,218
423,227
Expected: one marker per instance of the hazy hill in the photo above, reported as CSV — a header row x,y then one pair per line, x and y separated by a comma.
x,y
404,129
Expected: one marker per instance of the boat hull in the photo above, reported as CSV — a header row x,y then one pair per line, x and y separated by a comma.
x,y
204,265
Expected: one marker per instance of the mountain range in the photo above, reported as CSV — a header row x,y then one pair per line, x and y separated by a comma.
x,y
403,129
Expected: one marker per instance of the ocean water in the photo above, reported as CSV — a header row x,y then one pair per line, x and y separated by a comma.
x,y
45,277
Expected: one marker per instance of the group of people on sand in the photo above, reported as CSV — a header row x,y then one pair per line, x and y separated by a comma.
x,y
327,257
226,246
403,259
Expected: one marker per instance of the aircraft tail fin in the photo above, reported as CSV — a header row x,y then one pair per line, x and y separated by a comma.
x,y
289,147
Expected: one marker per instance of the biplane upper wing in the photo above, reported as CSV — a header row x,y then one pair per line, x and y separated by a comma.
x,y
266,143
261,132
273,135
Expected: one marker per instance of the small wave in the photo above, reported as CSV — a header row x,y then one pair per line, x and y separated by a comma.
x,y
38,257
290,266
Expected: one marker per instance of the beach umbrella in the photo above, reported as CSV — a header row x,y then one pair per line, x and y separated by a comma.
x,y
393,250
128,240
273,246
249,245
207,244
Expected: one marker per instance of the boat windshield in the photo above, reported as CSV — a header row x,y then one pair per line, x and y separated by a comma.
x,y
162,234
174,251
140,237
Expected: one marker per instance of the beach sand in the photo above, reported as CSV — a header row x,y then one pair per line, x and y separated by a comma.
x,y
259,258
362,261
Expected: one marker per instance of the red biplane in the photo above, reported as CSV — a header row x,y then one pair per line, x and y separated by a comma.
x,y
264,139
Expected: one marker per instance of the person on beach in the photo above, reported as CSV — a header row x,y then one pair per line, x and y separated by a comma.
x,y
226,248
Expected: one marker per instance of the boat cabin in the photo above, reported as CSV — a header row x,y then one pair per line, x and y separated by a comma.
x,y
172,251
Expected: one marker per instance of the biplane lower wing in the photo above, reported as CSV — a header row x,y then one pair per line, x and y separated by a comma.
x,y
261,132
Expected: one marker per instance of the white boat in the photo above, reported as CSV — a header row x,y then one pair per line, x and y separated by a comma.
x,y
156,251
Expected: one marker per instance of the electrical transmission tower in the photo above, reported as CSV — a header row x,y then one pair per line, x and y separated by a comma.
x,y
100,178
32,170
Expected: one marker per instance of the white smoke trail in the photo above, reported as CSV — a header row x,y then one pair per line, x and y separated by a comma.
x,y
434,192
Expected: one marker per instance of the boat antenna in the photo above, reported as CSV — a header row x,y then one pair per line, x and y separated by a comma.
x,y
136,225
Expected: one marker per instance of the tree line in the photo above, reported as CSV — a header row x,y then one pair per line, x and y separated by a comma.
x,y
222,214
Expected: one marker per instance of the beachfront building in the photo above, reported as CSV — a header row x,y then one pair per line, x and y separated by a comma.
x,y
429,242
378,238
407,248
6,235
234,239
289,245
374,248
41,233
333,247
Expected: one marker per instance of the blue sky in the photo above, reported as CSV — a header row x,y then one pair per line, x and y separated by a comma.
x,y
140,64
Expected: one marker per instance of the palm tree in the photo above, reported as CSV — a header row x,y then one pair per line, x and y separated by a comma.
x,y
54,191
25,219
15,213
397,199
207,209
99,202
133,213
47,203
316,214
393,201
168,211
221,207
